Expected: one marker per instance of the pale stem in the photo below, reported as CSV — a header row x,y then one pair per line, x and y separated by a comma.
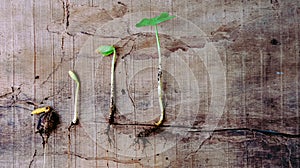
x,y
75,78
159,81
75,119
112,87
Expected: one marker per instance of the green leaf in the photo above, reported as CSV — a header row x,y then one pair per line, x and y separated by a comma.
x,y
145,22
106,50
164,17
156,20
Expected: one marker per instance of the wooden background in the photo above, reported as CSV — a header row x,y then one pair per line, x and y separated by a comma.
x,y
231,82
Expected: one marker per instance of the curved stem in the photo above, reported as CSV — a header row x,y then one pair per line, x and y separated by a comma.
x,y
159,81
75,116
112,88
75,119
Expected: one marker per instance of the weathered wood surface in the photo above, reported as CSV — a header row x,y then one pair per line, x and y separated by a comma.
x,y
231,67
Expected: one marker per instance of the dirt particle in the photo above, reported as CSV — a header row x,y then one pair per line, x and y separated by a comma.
x,y
121,3
30,103
275,42
123,92
270,102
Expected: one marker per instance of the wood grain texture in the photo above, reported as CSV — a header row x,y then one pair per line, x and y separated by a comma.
x,y
230,75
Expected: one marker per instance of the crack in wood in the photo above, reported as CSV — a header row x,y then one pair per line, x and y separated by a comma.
x,y
6,94
66,15
195,129
265,132
32,160
87,33
13,93
199,147
14,101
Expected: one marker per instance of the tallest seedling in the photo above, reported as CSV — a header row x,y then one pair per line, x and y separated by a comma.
x,y
154,22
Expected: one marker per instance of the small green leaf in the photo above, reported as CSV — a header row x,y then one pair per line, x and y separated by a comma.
x,y
145,22
156,20
163,17
73,76
106,50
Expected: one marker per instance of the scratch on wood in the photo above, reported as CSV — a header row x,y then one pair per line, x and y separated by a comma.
x,y
127,85
62,60
53,95
113,159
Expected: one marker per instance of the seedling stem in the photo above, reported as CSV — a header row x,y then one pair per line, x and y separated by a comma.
x,y
106,51
112,87
75,116
154,22
159,81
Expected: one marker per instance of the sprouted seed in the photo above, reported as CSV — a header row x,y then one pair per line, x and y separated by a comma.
x,y
106,51
154,22
75,116
47,123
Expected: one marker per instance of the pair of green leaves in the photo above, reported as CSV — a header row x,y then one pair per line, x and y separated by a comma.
x,y
164,16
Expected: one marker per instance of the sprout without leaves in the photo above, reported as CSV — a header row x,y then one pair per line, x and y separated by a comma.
x,y
75,116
